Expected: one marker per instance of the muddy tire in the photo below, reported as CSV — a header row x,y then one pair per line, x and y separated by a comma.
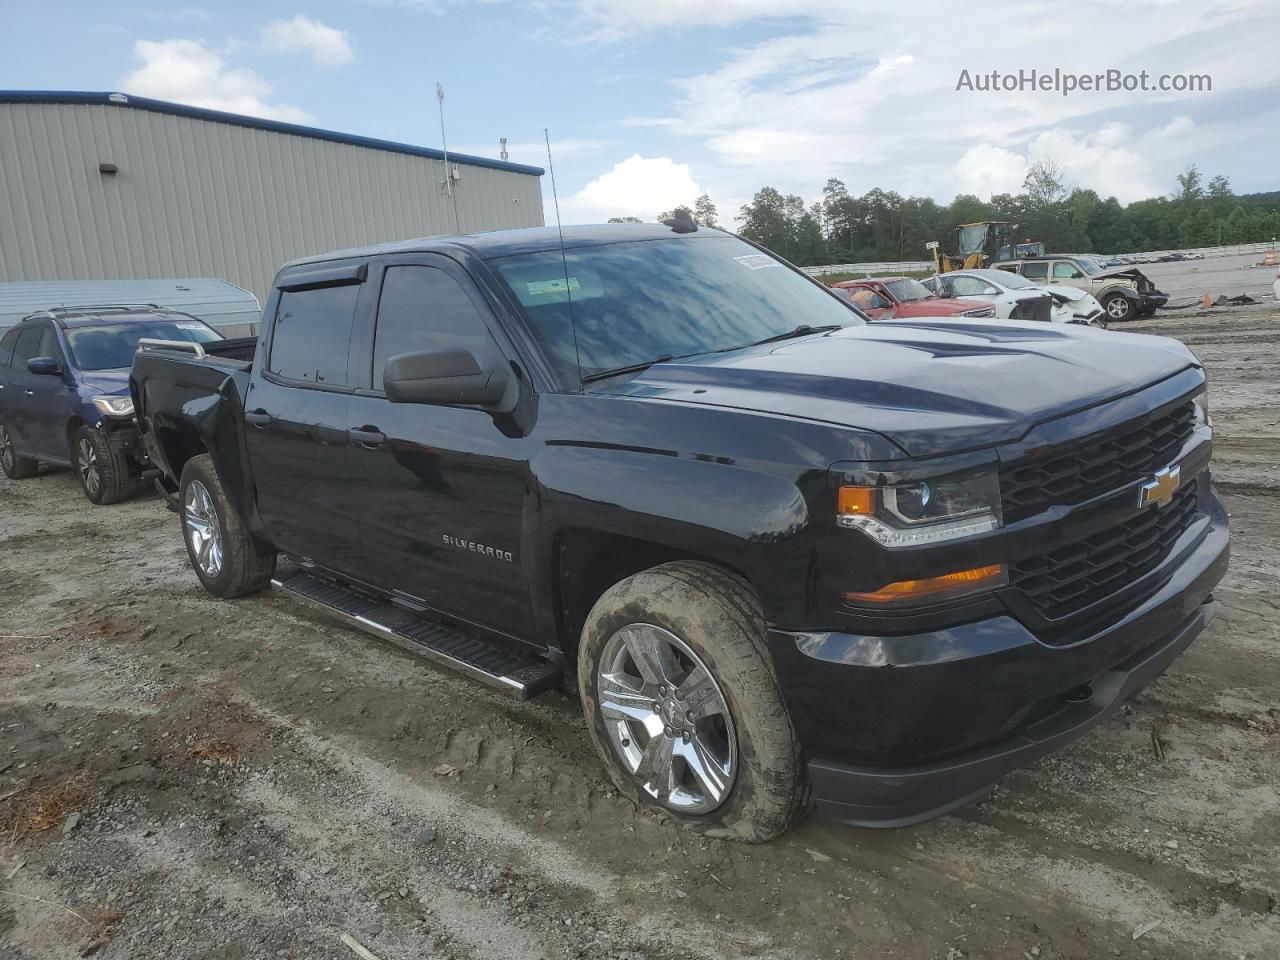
x,y
682,704
15,466
101,467
229,560
1118,308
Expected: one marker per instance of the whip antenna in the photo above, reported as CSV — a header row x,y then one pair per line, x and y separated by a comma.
x,y
564,260
448,175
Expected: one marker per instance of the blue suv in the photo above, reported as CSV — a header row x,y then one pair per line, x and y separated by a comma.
x,y
64,392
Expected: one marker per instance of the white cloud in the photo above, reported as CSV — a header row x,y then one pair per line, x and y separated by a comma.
x,y
327,45
878,107
636,187
188,72
984,169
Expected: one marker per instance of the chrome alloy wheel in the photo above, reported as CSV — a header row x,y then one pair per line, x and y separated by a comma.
x,y
200,522
667,719
87,463
7,454
1118,308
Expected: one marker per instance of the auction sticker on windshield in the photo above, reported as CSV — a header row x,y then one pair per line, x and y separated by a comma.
x,y
541,287
757,261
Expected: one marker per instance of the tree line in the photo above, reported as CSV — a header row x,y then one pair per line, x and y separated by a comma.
x,y
884,225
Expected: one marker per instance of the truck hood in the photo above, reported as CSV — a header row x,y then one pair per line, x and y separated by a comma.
x,y
105,381
932,386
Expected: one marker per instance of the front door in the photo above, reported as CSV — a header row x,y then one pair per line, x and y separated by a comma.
x,y
51,399
296,413
442,487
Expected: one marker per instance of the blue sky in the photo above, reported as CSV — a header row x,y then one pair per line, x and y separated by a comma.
x,y
650,102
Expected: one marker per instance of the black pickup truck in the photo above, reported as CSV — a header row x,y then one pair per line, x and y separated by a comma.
x,y
787,555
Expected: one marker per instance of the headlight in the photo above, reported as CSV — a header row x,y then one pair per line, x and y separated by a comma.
x,y
115,406
984,312
916,512
1201,403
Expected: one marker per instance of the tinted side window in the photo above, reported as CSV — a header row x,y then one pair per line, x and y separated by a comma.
x,y
1035,271
313,334
49,346
26,346
423,308
6,346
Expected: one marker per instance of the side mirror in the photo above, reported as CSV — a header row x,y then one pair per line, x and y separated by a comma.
x,y
444,376
43,366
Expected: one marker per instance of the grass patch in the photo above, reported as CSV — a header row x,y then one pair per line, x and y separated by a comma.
x,y
46,808
218,749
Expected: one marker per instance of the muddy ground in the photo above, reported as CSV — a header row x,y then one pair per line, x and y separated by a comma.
x,y
251,779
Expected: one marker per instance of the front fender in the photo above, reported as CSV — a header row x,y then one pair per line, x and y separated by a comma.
x,y
752,521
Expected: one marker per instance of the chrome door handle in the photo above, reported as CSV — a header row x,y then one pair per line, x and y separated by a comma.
x,y
367,436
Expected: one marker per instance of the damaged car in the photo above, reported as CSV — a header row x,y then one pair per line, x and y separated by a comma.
x,y
1124,292
1016,298
897,298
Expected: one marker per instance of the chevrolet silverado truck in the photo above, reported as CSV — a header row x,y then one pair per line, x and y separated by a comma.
x,y
787,556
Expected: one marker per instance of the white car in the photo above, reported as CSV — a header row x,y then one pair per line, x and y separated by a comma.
x,y
1275,287
1017,298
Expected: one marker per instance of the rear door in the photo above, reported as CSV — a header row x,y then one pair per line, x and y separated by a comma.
x,y
296,412
21,384
441,488
9,392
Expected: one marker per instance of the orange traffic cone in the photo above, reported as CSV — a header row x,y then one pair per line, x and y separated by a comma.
x,y
1207,302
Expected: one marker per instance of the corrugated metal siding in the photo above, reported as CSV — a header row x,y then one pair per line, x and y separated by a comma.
x,y
216,302
200,198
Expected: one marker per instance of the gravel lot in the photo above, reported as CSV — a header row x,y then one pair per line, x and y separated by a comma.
x,y
251,779
1229,276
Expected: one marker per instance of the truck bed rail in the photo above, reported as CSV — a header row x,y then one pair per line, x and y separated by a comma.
x,y
146,344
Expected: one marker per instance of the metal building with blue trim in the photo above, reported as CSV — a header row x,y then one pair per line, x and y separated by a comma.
x,y
107,186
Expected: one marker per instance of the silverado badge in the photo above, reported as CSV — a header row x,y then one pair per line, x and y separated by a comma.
x,y
1160,488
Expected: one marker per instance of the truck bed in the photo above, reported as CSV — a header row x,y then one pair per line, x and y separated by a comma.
x,y
187,405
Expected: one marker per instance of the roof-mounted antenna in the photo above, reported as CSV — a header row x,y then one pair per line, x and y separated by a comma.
x,y
564,260
448,174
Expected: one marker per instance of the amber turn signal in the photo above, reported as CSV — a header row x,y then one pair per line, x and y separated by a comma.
x,y
933,589
857,500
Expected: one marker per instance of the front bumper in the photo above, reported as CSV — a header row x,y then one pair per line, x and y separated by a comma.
x,y
868,709
1153,300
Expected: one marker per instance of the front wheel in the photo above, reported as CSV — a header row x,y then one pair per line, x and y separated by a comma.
x,y
1119,308
682,704
229,560
101,467
15,465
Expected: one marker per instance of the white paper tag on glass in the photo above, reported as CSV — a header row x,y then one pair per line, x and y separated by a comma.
x,y
757,261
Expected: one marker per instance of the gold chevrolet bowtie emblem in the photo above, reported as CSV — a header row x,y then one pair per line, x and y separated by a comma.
x,y
1160,488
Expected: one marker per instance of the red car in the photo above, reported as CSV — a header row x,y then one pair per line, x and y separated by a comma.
x,y
892,297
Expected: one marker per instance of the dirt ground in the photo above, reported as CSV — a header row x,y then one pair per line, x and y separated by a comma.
x,y
250,779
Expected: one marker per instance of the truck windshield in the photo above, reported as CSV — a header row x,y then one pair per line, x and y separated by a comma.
x,y
638,302
110,346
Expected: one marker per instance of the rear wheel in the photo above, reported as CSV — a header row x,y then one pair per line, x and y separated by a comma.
x,y
1119,308
101,466
682,704
229,560
16,466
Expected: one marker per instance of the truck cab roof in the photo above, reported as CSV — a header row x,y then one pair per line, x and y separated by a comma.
x,y
506,243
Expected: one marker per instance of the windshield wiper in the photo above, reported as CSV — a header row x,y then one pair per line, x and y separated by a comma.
x,y
801,331
629,368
